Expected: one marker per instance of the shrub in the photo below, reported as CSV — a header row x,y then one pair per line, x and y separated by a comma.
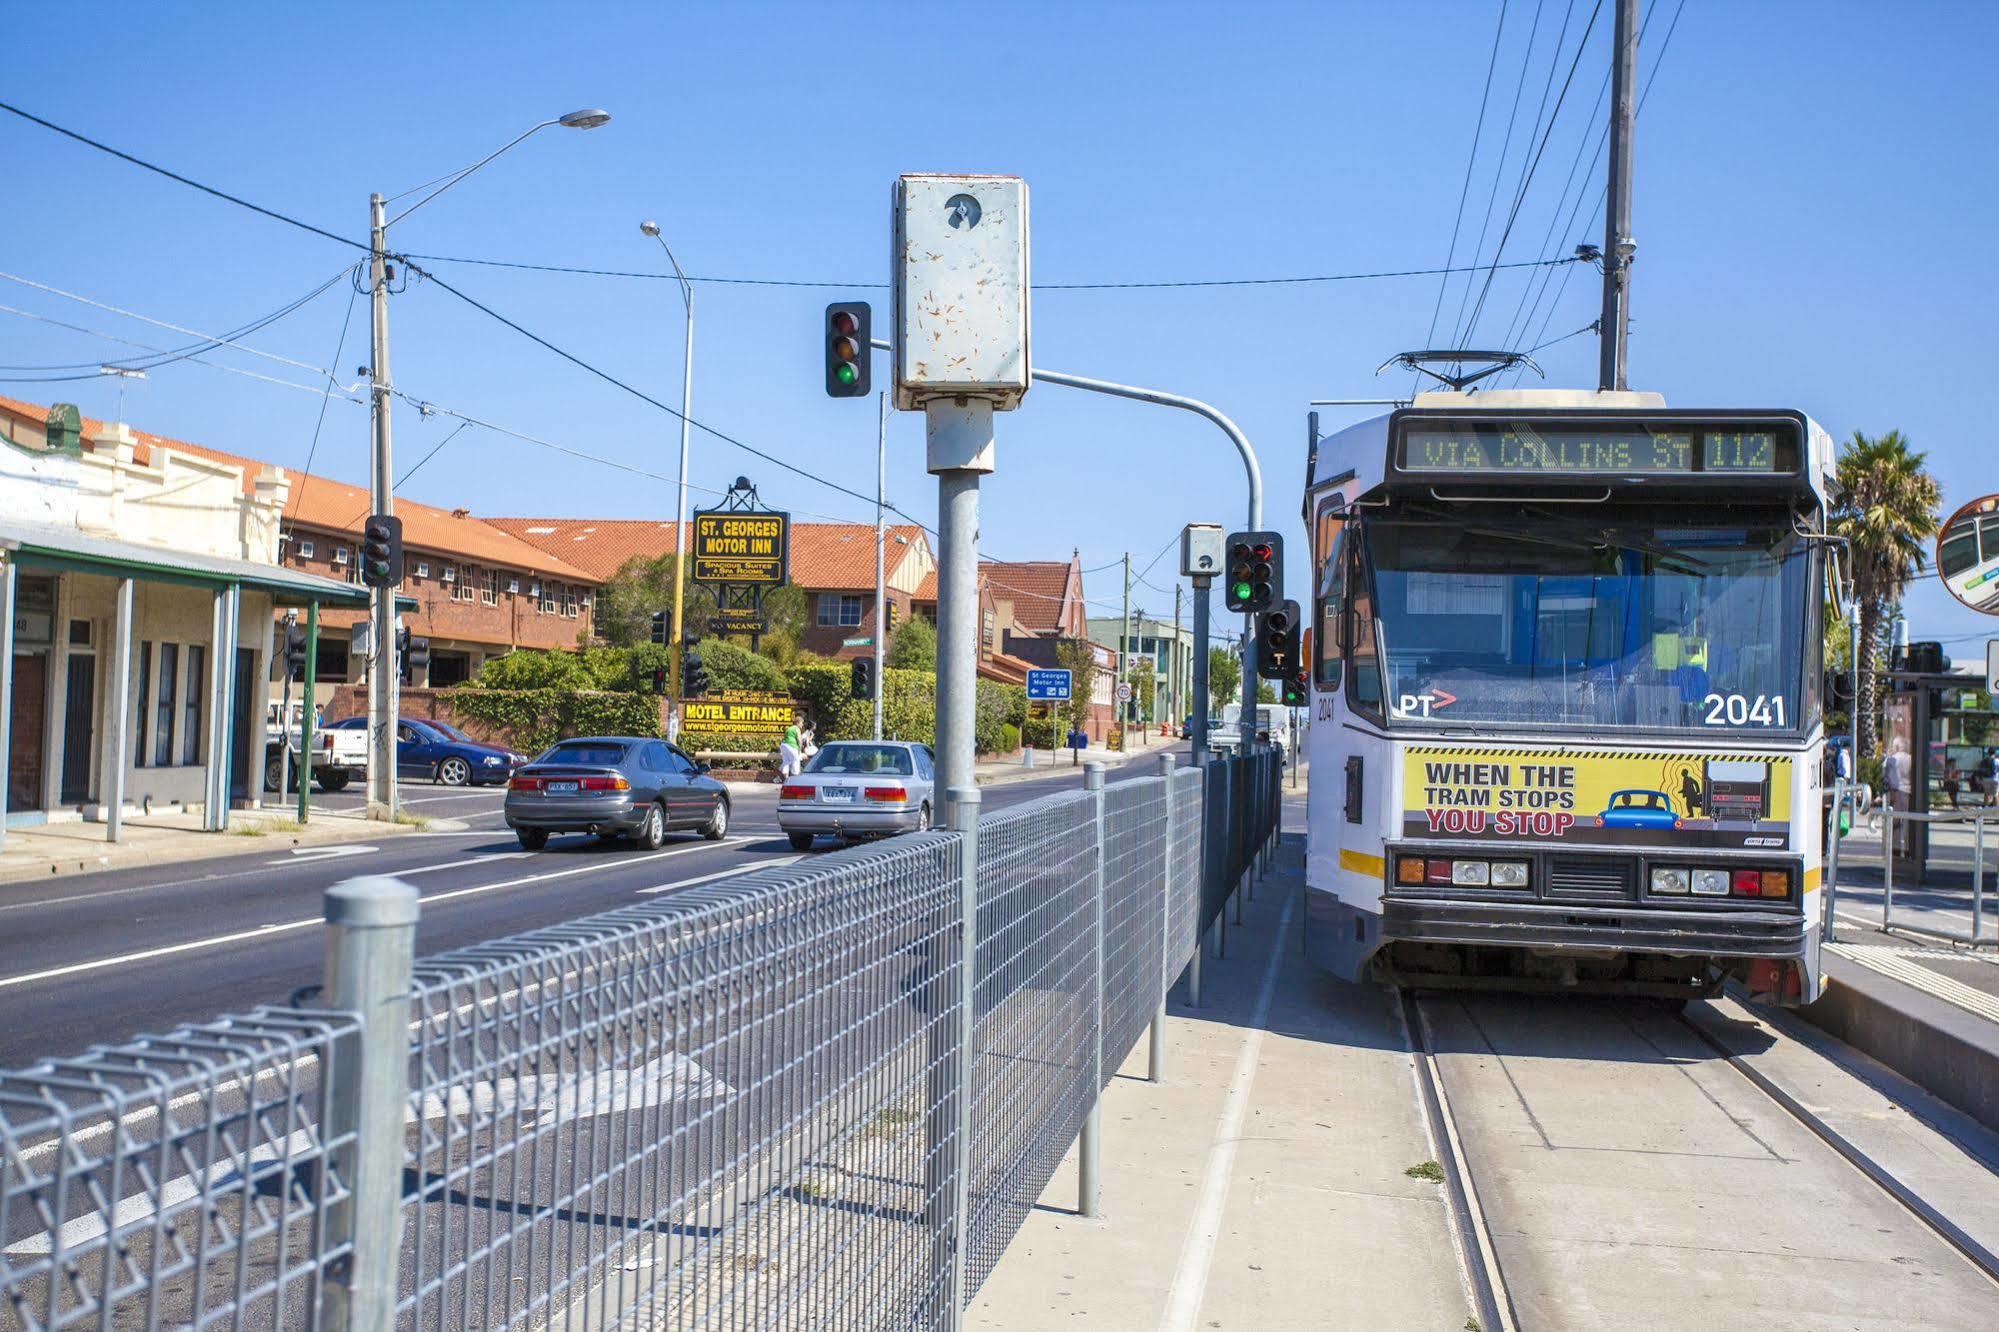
x,y
533,719
1009,737
531,668
731,666
1035,733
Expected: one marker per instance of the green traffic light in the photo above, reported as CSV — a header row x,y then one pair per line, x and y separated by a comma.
x,y
846,374
1240,592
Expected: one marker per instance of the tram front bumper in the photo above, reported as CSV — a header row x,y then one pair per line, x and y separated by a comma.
x,y
1566,926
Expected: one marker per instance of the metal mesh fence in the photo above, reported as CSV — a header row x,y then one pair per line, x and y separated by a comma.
x,y
692,1113
177,1181
735,1106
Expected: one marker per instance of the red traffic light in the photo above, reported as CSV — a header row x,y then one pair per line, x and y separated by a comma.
x,y
1261,550
843,322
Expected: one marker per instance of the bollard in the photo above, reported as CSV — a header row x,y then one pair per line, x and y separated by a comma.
x,y
1155,1046
1887,863
1977,877
1089,1184
370,948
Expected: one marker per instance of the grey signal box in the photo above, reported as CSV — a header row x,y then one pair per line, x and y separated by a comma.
x,y
1201,550
961,289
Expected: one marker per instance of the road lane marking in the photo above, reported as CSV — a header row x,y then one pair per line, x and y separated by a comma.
x,y
720,874
309,853
1197,1252
280,927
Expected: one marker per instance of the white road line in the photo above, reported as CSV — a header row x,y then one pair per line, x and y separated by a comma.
x,y
1197,1252
283,927
719,874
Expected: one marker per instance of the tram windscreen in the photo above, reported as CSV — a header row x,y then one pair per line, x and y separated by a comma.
x,y
1572,623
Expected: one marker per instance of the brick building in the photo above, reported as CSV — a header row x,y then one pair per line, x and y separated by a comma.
x,y
832,563
480,591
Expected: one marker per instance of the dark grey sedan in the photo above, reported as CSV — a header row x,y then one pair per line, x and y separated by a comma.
x,y
616,786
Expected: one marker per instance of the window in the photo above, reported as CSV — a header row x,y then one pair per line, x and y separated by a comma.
x,y
850,757
545,599
163,741
423,568
1328,563
988,630
190,725
461,579
305,550
139,701
489,587
569,603
340,554
839,609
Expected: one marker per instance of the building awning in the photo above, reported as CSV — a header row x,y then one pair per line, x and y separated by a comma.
x,y
38,546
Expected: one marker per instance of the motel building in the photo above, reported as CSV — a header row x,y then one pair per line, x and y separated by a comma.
x,y
138,585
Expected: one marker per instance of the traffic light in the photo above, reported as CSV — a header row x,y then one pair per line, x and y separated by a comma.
x,y
1296,691
382,550
659,628
659,679
693,677
862,685
414,654
1255,572
1277,642
889,611
847,328
294,652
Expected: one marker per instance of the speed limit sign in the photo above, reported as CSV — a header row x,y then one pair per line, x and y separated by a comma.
x,y
1124,691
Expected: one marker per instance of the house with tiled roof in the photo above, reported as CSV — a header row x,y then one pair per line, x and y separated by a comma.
x,y
479,590
833,563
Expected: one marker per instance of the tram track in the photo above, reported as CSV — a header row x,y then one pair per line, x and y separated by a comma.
x,y
1493,1305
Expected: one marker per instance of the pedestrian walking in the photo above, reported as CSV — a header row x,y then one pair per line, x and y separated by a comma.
x,y
789,749
1953,779
1988,776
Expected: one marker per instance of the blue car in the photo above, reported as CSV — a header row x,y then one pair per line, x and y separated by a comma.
x,y
442,753
1638,809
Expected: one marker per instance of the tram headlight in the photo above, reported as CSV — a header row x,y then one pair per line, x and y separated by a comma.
x,y
1669,879
1471,873
1509,874
1711,882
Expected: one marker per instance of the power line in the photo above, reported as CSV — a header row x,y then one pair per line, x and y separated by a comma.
x,y
1547,84
1464,190
1499,170
326,394
175,176
1520,198
145,346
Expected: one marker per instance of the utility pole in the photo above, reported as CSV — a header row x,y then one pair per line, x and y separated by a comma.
x,y
1618,247
1124,658
1175,701
383,677
881,581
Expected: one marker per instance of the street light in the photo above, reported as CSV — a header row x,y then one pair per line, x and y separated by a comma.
x,y
383,677
651,228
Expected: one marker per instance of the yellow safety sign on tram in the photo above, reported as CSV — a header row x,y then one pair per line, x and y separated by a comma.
x,y
1602,797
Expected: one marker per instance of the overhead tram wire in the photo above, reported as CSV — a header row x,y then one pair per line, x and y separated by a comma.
x,y
1464,190
1499,168
128,342
1538,283
1581,44
312,450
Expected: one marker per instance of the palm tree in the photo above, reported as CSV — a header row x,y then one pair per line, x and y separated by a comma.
x,y
1888,515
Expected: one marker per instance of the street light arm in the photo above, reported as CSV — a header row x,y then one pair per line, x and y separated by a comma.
x,y
457,176
686,291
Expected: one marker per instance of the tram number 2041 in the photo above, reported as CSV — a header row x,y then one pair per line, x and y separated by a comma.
x,y
1744,710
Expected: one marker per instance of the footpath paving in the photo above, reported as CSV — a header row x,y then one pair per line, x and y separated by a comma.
x,y
1265,1183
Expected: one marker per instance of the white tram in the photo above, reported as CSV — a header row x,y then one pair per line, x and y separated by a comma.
x,y
1566,685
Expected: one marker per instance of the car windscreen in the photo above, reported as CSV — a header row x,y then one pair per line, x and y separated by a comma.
x,y
848,760
589,753
450,732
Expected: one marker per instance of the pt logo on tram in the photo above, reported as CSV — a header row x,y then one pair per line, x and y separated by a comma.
x,y
1563,641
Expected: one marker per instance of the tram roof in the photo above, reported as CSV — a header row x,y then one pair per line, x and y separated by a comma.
x,y
1358,455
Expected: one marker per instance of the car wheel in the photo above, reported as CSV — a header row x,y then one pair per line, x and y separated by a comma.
x,y
652,833
331,781
923,818
801,841
454,772
717,826
532,839
274,771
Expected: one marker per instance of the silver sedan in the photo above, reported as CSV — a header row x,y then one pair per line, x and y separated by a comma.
x,y
859,788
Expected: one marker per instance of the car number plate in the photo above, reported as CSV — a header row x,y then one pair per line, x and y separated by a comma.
x,y
838,794
562,788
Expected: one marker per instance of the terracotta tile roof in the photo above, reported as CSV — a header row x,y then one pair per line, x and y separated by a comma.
x,y
337,506
1037,589
927,589
824,556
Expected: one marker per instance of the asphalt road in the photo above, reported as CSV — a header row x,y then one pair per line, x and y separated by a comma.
x,y
104,957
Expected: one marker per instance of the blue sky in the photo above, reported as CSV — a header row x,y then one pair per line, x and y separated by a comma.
x,y
1809,232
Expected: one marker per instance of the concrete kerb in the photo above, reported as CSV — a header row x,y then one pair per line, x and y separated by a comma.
x,y
66,849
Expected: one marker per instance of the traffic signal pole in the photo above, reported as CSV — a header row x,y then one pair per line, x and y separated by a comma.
x,y
881,581
382,673
960,439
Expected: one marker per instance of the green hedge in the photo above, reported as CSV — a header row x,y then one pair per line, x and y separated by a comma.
x,y
533,719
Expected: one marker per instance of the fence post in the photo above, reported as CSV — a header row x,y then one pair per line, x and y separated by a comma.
x,y
1155,1048
1202,758
1887,863
965,821
1089,1185
370,948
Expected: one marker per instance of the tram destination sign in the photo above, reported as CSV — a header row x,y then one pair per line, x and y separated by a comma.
x,y
741,546
1596,447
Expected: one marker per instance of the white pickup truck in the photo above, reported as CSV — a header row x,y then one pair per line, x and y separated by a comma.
x,y
339,755
1272,727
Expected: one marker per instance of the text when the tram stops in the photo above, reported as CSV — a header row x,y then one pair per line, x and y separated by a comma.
x,y
1503,786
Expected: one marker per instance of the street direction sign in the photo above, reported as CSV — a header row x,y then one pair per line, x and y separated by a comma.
x,y
1048,686
741,546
